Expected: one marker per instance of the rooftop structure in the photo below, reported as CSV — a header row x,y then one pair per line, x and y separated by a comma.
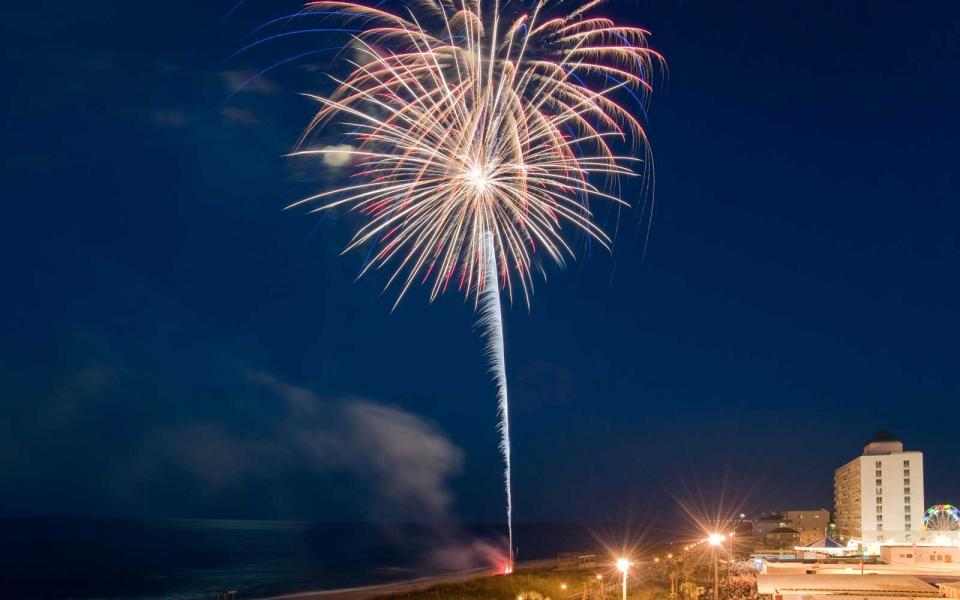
x,y
903,586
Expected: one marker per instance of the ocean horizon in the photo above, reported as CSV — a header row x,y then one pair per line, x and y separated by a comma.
x,y
192,559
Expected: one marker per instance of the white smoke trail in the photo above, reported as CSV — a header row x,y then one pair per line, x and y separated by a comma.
x,y
491,322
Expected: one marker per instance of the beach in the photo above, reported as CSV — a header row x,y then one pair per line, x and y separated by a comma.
x,y
373,591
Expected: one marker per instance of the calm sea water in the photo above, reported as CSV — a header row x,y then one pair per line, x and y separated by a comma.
x,y
192,559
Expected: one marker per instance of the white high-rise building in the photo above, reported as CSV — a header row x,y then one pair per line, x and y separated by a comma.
x,y
878,496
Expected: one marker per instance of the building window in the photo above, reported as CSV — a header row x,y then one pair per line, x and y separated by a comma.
x,y
906,472
879,528
906,499
879,464
906,481
879,492
906,490
879,472
880,482
906,463
906,509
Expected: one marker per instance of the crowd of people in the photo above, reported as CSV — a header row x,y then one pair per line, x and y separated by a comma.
x,y
739,586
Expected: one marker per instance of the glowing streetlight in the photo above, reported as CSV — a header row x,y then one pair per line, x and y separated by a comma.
x,y
656,560
599,577
563,586
716,540
670,556
623,564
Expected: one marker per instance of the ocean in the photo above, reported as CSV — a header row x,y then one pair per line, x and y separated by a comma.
x,y
53,558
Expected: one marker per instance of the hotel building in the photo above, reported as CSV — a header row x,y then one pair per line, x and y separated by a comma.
x,y
878,496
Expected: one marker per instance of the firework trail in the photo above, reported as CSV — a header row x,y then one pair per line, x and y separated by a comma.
x,y
491,322
479,134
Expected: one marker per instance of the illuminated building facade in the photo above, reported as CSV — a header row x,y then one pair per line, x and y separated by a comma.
x,y
878,496
811,524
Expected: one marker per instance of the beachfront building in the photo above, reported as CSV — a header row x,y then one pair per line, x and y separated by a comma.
x,y
781,538
914,554
767,522
813,525
854,587
878,496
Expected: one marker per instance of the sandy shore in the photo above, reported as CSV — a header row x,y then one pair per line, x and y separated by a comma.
x,y
372,591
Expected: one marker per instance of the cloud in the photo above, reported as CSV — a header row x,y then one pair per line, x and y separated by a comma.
x,y
239,115
402,462
209,451
247,81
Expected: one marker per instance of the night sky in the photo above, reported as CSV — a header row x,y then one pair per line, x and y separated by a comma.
x,y
174,344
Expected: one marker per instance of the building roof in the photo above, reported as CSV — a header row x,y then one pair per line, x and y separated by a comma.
x,y
860,585
883,436
826,543
783,530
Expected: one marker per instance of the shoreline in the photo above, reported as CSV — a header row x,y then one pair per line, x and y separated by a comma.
x,y
367,592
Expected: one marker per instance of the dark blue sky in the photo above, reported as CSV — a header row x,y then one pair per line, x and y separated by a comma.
x,y
176,345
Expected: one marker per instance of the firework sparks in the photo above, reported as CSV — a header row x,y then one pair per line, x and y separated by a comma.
x,y
491,320
466,122
479,134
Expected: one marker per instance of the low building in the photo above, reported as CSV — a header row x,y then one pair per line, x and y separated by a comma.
x,y
813,525
824,548
807,587
950,589
767,522
782,537
911,554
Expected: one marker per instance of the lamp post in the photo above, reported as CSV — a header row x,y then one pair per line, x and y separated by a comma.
x,y
716,540
623,565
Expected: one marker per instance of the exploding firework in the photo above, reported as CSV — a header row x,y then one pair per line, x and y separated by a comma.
x,y
480,134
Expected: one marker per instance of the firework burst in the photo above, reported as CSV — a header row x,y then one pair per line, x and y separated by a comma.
x,y
480,134
467,120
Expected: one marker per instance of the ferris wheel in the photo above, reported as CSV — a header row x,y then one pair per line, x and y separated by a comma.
x,y
942,517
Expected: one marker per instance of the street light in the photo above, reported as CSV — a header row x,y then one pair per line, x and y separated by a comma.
x,y
716,540
623,564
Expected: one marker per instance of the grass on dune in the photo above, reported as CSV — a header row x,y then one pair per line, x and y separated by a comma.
x,y
526,583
